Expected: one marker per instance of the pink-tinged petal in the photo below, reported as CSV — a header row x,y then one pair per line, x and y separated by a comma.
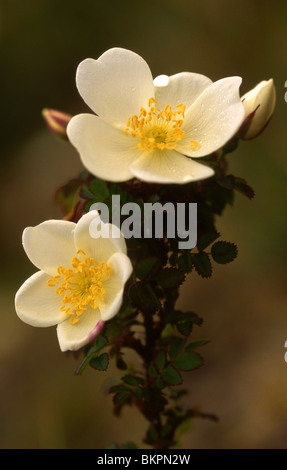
x,y
96,331
38,304
72,337
50,244
116,85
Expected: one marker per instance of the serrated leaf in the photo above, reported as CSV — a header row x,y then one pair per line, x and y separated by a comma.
x,y
144,297
202,264
132,380
101,362
122,397
171,376
152,371
170,278
185,262
184,327
244,188
189,316
159,383
173,259
196,344
223,252
160,360
175,347
187,361
147,267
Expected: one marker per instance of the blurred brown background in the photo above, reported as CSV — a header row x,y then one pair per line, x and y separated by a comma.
x,y
244,380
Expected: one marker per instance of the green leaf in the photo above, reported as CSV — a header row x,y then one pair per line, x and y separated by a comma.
x,y
143,297
223,252
170,278
101,362
175,347
202,264
100,189
133,380
244,188
185,262
196,344
152,371
171,376
147,267
187,361
184,327
160,360
86,193
173,259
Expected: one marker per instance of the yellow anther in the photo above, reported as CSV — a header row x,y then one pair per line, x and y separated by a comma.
x,y
81,286
155,128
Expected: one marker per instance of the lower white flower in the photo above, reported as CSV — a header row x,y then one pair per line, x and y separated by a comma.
x,y
81,280
151,129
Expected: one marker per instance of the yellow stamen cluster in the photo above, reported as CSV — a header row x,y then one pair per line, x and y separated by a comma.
x,y
155,128
80,286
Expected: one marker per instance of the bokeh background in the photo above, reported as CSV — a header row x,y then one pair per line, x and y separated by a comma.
x,y
244,305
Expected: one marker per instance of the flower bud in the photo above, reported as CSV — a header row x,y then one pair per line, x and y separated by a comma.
x,y
259,104
56,121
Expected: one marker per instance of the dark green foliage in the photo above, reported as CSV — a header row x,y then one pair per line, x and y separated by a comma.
x,y
223,252
149,322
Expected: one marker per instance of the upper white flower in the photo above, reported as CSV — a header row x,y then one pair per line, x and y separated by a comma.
x,y
148,128
81,279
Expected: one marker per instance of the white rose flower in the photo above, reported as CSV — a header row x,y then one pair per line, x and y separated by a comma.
x,y
81,280
151,129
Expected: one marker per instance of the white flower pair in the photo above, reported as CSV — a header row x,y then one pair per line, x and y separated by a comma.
x,y
150,129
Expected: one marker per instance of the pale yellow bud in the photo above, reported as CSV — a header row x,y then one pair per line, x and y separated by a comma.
x,y
57,121
259,104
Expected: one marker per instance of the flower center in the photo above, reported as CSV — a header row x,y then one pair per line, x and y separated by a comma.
x,y
81,286
155,128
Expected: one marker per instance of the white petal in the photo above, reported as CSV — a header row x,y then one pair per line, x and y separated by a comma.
x,y
182,88
38,304
116,85
99,244
50,244
168,166
213,118
106,152
74,336
114,286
